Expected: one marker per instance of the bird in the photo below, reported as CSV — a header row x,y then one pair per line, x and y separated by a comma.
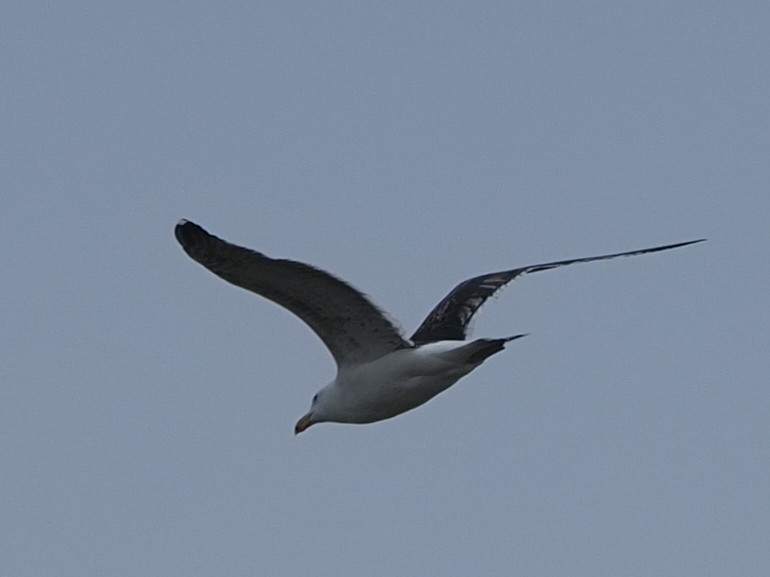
x,y
380,372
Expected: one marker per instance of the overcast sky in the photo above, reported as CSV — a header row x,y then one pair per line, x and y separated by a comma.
x,y
147,407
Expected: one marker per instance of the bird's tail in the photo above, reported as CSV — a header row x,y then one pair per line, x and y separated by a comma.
x,y
481,349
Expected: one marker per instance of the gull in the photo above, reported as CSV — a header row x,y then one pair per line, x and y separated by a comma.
x,y
380,373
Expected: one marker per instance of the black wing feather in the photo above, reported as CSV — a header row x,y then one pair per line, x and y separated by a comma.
x,y
449,319
352,327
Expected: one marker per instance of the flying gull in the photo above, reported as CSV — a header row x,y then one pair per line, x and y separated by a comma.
x,y
380,373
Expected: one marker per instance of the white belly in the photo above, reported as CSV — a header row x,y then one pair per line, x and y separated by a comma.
x,y
398,382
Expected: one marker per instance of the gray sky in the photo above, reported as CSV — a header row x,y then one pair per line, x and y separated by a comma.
x,y
146,407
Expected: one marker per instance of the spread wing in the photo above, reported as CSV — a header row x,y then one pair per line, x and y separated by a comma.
x,y
352,328
449,319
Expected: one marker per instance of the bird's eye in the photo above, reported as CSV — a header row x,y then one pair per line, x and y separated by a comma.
x,y
315,398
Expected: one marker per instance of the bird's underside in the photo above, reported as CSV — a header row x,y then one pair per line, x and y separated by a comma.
x,y
357,332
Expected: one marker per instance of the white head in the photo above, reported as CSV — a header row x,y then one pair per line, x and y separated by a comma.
x,y
319,410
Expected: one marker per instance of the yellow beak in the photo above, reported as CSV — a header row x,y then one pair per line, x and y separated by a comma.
x,y
303,424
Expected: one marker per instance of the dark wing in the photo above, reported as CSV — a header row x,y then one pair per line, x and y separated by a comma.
x,y
353,329
449,319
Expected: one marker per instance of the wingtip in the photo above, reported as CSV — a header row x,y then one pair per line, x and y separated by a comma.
x,y
186,232
689,242
187,226
681,244
184,223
